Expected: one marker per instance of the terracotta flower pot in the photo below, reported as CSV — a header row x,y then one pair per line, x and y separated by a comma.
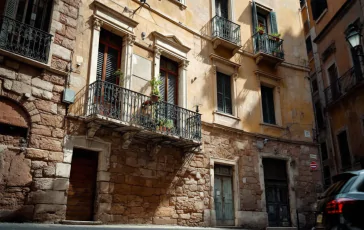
x,y
261,32
154,98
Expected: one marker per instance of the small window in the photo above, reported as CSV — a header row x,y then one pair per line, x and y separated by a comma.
x,y
319,116
224,102
344,150
318,7
268,105
12,135
308,45
327,177
323,149
314,85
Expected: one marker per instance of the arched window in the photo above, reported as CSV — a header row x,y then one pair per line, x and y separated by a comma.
x,y
318,7
14,123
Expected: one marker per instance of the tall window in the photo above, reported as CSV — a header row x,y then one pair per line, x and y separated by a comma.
x,y
333,75
224,102
108,59
318,7
221,8
268,105
35,13
260,17
314,85
344,150
308,45
169,78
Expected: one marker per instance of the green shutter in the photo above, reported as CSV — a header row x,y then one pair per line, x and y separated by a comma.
x,y
220,92
268,105
254,17
172,82
227,95
162,86
111,66
100,61
273,23
11,8
224,102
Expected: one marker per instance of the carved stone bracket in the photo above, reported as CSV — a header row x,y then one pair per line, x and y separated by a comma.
x,y
184,64
127,138
157,52
129,40
97,24
216,43
258,59
92,129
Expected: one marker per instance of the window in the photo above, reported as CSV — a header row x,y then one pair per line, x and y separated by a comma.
x,y
221,8
319,116
260,17
333,76
344,150
109,57
35,13
268,105
327,177
318,7
323,149
224,102
314,85
308,45
169,80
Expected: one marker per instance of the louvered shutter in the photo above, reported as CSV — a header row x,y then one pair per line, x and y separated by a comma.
x,y
11,8
100,61
111,66
254,17
268,105
162,86
171,97
227,95
220,92
273,22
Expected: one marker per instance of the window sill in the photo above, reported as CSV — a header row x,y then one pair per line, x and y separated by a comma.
x,y
226,115
180,4
32,62
272,125
321,16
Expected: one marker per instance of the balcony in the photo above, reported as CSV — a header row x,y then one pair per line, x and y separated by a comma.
x,y
225,34
127,111
24,40
342,86
268,49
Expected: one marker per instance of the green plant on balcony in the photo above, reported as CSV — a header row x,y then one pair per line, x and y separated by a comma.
x,y
119,74
169,124
155,94
276,36
277,53
260,29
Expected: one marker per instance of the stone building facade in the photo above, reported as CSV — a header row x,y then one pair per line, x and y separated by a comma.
x,y
105,157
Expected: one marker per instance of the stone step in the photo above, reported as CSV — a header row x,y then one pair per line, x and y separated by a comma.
x,y
77,222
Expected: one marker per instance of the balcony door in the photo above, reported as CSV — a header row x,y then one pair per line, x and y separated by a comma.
x,y
223,25
35,13
108,93
222,8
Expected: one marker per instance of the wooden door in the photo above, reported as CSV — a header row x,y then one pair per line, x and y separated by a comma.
x,y
82,188
224,202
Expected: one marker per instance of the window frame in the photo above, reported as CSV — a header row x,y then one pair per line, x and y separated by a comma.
x,y
224,95
318,15
349,147
167,71
274,106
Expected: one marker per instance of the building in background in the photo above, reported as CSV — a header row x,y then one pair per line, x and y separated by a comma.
x,y
225,139
337,79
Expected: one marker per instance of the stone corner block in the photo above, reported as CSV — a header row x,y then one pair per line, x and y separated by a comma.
x,y
63,170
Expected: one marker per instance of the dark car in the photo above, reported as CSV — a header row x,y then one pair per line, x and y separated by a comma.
x,y
341,207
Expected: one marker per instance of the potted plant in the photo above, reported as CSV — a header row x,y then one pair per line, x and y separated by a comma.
x,y
276,36
260,30
169,124
118,74
155,83
161,125
275,52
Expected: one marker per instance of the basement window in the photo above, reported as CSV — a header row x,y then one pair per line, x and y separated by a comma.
x,y
11,130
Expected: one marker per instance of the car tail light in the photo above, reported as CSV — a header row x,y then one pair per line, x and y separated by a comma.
x,y
336,206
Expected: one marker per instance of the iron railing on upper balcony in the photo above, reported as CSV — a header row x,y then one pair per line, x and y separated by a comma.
x,y
342,85
133,108
225,29
25,40
268,44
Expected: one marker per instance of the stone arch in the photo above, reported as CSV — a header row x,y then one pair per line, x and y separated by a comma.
x,y
15,122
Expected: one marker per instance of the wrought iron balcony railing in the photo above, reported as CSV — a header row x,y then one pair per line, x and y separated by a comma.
x,y
132,108
25,40
225,29
268,44
342,85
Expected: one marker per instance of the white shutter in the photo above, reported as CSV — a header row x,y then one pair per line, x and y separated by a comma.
x,y
11,8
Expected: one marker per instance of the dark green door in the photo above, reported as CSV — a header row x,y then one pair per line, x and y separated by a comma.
x,y
224,202
276,192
